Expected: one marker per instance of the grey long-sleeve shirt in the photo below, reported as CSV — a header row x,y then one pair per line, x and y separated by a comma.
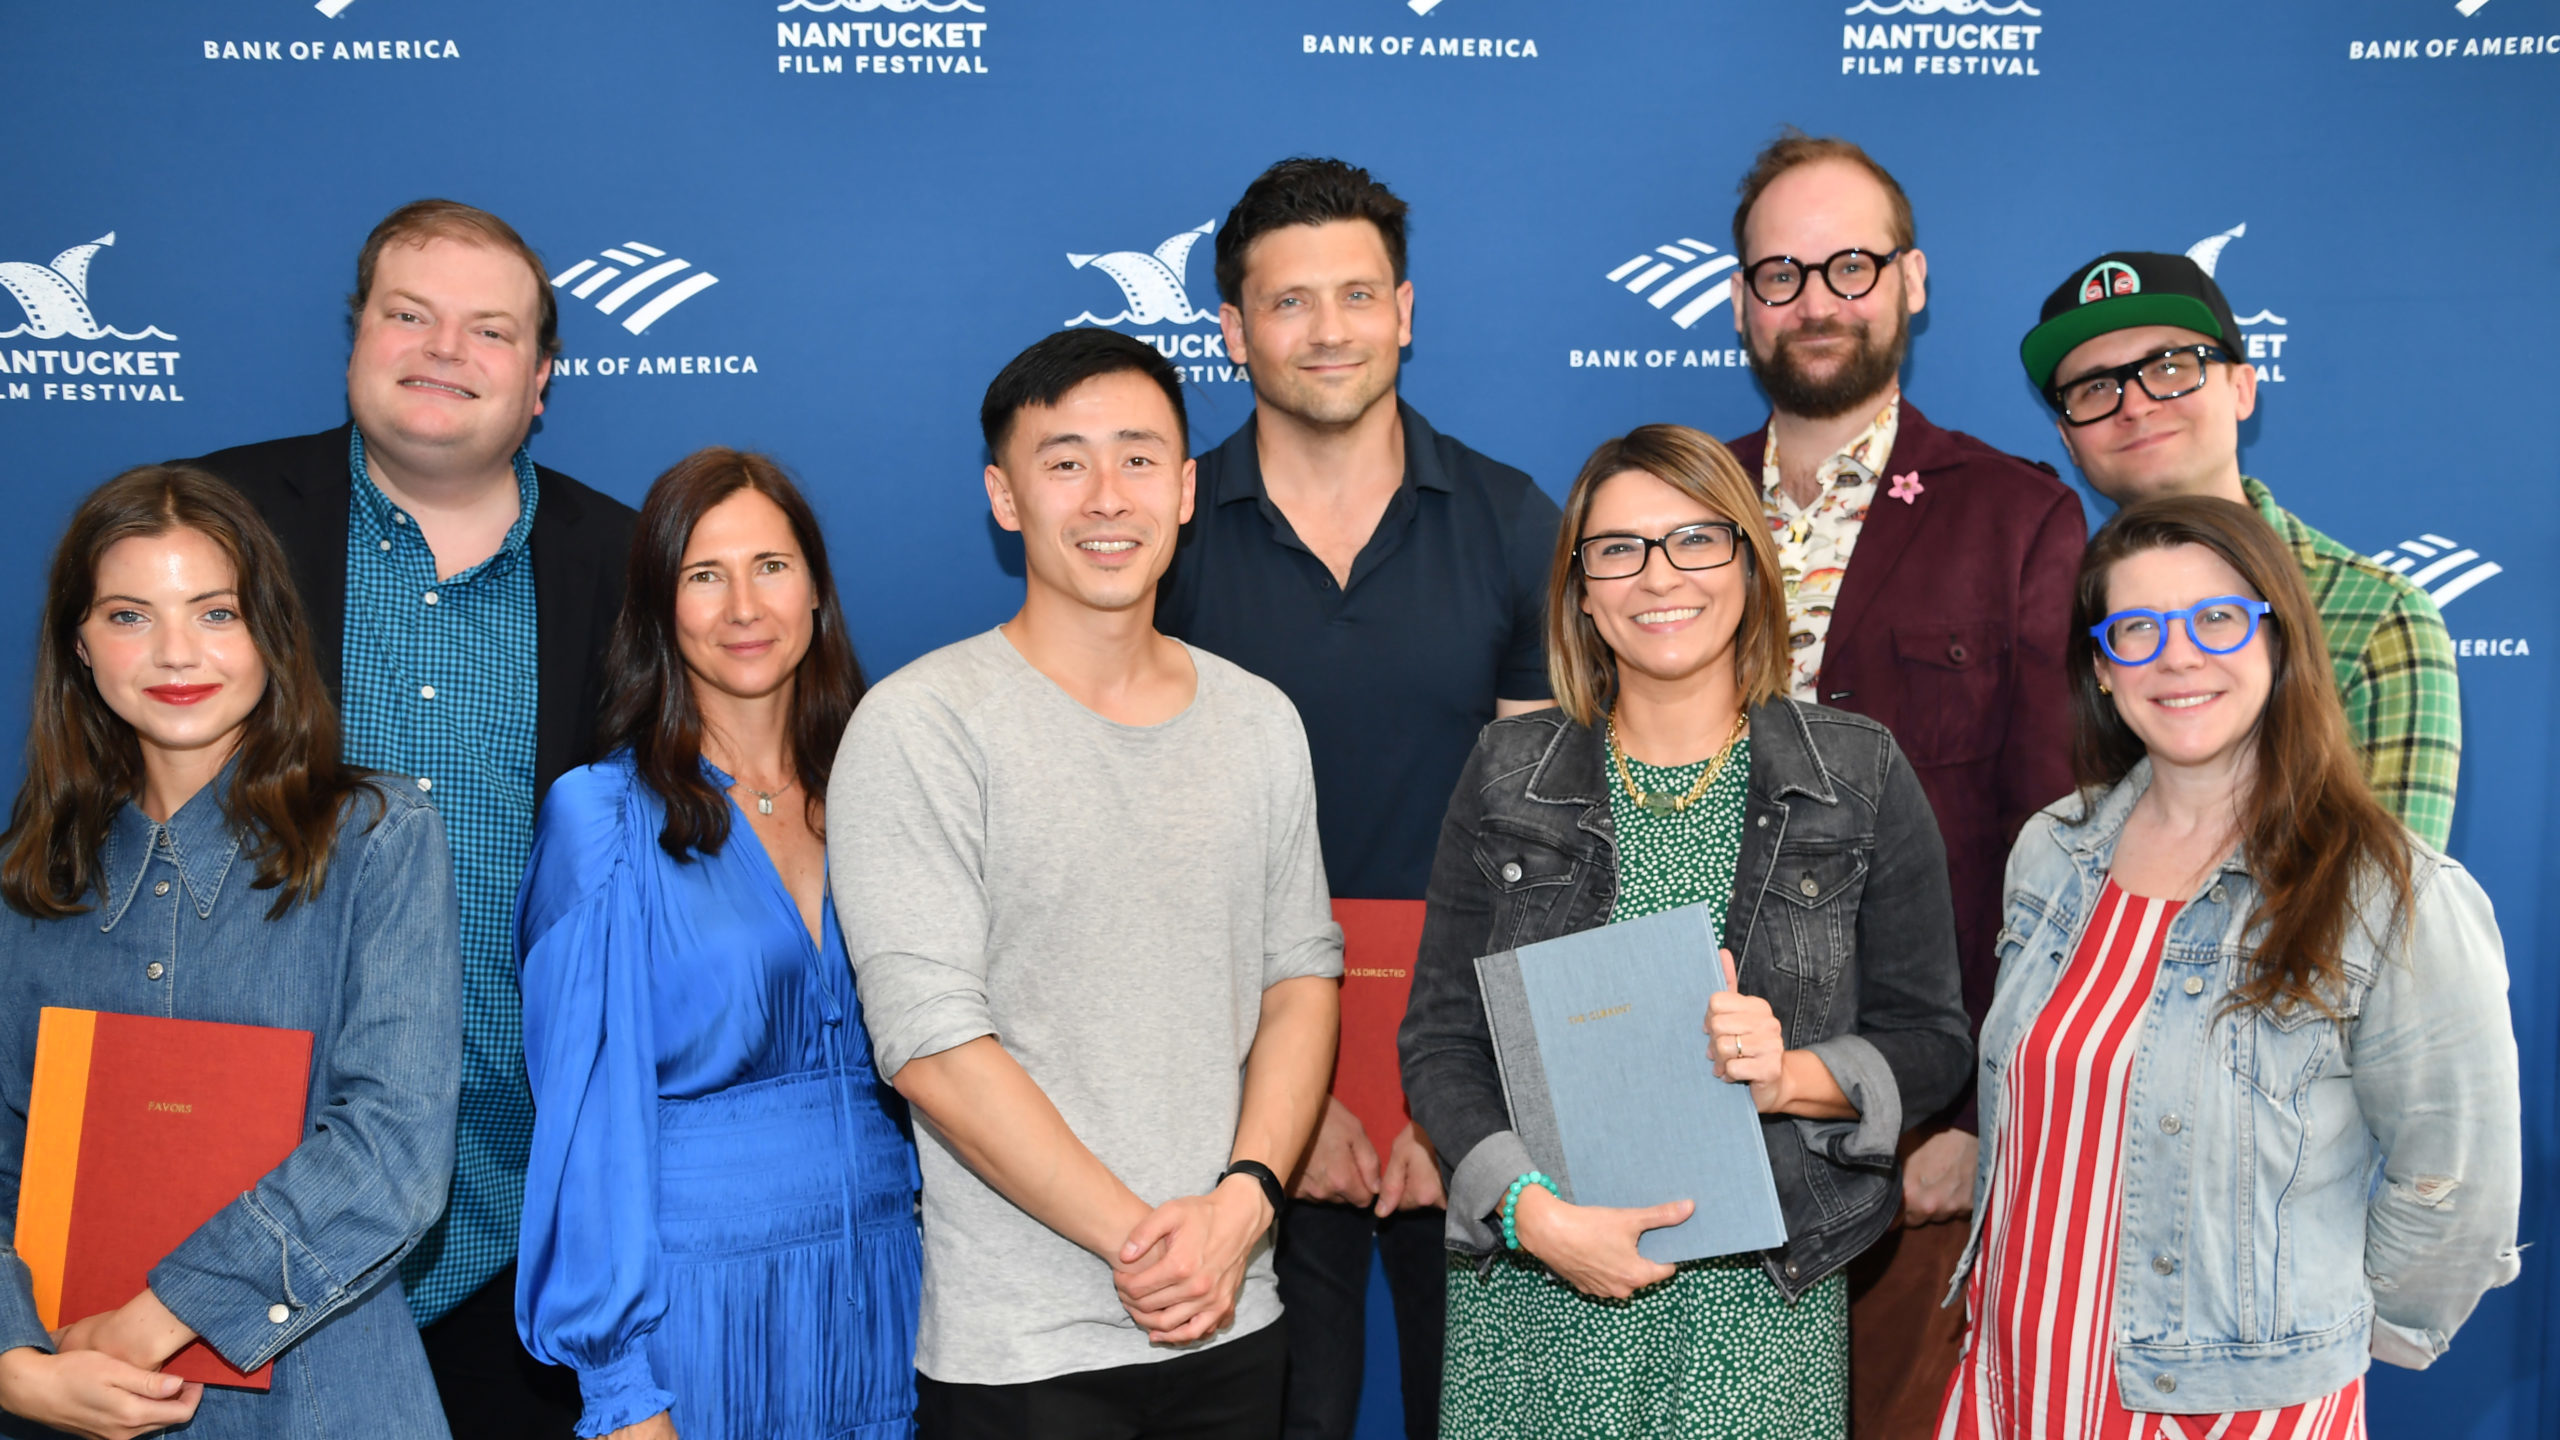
x,y
1109,901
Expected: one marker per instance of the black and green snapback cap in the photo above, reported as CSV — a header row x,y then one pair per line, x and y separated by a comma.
x,y
2118,291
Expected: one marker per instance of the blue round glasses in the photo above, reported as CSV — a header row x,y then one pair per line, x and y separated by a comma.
x,y
2217,626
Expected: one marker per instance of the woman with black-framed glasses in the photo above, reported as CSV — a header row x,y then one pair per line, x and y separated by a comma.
x,y
2250,1035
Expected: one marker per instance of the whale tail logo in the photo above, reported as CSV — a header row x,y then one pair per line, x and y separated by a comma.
x,y
2207,253
1702,264
55,297
651,265
1153,285
2446,569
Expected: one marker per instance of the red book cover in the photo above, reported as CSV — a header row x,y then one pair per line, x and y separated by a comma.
x,y
140,1129
1380,939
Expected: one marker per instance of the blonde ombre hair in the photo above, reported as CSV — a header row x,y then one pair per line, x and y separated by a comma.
x,y
1581,667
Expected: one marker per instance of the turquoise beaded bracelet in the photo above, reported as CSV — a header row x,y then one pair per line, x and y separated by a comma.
x,y
1511,1202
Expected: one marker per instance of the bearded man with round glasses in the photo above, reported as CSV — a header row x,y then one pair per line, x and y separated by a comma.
x,y
1928,580
2139,356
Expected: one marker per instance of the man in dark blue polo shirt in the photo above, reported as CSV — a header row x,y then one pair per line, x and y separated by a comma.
x,y
1393,583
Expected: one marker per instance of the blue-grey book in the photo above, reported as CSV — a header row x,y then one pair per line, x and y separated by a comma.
x,y
1603,1046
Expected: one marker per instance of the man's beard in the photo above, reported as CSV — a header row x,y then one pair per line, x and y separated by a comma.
x,y
1869,368
1319,407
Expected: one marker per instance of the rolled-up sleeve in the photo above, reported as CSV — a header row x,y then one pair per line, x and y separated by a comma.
x,y
909,874
1300,938
322,1230
2435,1076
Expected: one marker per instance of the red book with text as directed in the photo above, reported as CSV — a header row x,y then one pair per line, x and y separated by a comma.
x,y
1380,939
139,1130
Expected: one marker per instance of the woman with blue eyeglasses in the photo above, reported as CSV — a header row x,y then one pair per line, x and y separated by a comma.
x,y
2248,1081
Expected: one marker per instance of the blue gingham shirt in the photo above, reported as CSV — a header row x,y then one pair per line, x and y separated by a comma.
x,y
439,684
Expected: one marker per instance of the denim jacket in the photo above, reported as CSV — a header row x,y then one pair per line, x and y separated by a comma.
x,y
1840,918
301,1269
2260,1257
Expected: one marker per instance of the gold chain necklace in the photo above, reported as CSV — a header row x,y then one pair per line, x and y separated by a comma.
x,y
1674,804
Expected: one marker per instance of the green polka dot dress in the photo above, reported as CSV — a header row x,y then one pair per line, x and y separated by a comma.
x,y
1715,1352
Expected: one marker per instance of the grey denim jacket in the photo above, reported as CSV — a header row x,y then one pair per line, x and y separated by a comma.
x,y
1840,917
302,1268
2298,1191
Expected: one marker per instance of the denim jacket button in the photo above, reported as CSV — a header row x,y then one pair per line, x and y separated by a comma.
x,y
1511,873
2164,1265
2194,985
277,1314
2168,1384
153,971
2171,1124
2217,896
1809,886
160,887
1763,822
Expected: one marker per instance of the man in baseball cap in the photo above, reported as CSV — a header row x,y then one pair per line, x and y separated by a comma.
x,y
2140,358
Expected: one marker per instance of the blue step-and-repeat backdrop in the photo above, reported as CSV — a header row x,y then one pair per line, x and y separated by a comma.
x,y
817,228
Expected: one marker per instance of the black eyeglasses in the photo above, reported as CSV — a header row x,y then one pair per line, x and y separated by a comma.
x,y
1691,547
2165,376
1779,279
2216,627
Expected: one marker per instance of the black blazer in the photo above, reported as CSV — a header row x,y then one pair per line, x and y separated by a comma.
x,y
581,540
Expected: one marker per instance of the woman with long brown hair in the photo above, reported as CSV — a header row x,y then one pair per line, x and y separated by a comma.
x,y
2248,1080
1675,771
719,1218
187,844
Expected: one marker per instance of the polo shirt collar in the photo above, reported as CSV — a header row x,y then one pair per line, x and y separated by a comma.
x,y
1241,476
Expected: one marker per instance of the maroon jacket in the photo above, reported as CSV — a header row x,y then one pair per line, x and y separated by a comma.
x,y
1949,629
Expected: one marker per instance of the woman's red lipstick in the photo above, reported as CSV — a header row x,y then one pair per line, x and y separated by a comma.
x,y
179,694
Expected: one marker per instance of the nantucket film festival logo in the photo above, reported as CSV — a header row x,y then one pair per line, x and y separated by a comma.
x,y
635,286
1451,38
1979,38
376,32
1684,280
2264,334
894,38
61,350
1155,304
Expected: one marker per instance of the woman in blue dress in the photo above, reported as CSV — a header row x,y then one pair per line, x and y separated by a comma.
x,y
719,1215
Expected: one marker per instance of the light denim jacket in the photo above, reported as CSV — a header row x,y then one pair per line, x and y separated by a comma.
x,y
2261,1256
373,968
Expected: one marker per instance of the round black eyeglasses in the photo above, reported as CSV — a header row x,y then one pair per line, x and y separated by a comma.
x,y
1779,279
1704,546
2217,627
2165,376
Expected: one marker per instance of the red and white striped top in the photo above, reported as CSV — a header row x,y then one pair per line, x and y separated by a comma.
x,y
2037,1362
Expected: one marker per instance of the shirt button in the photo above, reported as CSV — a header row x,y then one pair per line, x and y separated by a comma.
x,y
430,597
426,692
2171,1125
164,839
2194,985
2164,1265
1511,873
386,544
425,784
161,888
399,519
277,1314
153,971
2167,1384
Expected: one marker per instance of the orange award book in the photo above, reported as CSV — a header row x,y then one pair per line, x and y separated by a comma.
x,y
1380,939
140,1129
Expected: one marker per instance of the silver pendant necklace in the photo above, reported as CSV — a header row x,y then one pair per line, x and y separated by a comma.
x,y
764,798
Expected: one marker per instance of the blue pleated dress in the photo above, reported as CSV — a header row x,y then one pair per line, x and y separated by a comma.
x,y
719,1216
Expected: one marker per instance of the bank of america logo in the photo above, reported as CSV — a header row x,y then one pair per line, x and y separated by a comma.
x,y
645,265
2446,569
331,8
1696,261
55,298
1154,286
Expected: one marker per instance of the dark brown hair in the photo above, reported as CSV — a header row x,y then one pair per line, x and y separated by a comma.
x,y
84,761
420,221
1794,148
2311,832
1305,191
648,700
1580,666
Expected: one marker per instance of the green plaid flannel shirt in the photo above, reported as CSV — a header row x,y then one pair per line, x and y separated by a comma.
x,y
2395,672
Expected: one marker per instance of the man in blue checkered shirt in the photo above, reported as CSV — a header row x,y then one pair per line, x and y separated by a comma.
x,y
460,597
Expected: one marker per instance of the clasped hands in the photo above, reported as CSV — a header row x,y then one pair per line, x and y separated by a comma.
x,y
104,1378
1180,1269
1593,1247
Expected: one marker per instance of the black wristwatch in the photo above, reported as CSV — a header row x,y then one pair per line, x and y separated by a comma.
x,y
1262,1176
